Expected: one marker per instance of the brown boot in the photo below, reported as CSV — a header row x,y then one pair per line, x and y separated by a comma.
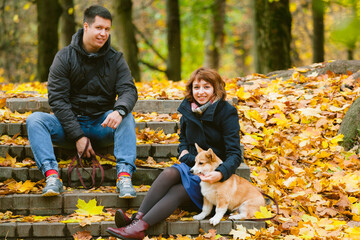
x,y
136,230
122,220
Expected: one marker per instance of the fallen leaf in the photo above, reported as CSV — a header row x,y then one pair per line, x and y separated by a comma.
x,y
88,209
84,235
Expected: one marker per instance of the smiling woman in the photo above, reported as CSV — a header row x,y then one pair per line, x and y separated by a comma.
x,y
207,120
203,91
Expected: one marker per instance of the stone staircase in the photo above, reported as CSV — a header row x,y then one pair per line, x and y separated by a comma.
x,y
65,204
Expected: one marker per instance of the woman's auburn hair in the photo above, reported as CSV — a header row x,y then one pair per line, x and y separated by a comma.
x,y
208,75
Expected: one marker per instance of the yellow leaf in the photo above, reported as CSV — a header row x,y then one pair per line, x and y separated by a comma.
x,y
242,95
308,218
353,199
11,159
264,213
354,232
26,6
88,209
71,220
16,18
26,186
338,138
70,11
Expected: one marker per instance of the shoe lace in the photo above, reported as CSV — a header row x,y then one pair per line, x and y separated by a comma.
x,y
125,182
132,223
51,181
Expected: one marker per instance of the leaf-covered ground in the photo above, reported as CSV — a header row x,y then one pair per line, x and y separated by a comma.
x,y
289,129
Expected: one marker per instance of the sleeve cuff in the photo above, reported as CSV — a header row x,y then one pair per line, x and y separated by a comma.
x,y
122,108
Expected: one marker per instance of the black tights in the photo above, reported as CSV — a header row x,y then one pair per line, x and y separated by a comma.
x,y
164,197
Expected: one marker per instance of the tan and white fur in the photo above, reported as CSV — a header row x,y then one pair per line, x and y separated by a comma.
x,y
235,194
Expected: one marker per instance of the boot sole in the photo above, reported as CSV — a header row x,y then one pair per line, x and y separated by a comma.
x,y
119,236
120,220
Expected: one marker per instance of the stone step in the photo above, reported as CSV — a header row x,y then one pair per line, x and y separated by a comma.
x,y
142,175
34,104
65,203
19,129
160,152
65,231
41,104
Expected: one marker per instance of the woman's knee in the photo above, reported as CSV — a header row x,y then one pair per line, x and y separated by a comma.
x,y
179,192
170,174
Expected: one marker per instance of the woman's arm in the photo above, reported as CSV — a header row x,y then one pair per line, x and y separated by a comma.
x,y
231,135
183,147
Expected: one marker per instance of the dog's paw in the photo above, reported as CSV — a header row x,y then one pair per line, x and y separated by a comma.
x,y
237,216
199,216
214,220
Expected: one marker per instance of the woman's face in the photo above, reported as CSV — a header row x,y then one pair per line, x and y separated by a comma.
x,y
202,91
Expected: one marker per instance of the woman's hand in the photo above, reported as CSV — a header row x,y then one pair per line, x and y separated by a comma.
x,y
212,177
183,152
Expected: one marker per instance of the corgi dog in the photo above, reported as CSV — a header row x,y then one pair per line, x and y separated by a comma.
x,y
234,194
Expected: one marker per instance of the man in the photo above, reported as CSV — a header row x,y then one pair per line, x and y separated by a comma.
x,y
84,80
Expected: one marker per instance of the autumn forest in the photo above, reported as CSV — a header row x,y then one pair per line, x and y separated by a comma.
x,y
291,70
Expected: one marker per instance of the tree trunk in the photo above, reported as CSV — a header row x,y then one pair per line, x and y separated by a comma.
x,y
215,35
350,53
48,14
173,70
241,49
126,35
350,125
318,10
67,22
272,22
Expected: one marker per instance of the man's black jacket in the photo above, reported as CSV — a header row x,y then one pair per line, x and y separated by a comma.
x,y
82,83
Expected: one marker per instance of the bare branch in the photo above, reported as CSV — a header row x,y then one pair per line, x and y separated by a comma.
x,y
152,66
149,43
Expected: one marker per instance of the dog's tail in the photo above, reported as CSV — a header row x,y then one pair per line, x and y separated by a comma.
x,y
267,201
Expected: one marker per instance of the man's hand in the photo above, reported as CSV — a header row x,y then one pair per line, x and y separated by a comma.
x,y
113,120
212,177
80,146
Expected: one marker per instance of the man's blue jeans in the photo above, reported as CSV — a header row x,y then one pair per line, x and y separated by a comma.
x,y
44,130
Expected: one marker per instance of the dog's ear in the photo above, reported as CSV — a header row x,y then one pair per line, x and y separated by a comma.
x,y
210,154
198,149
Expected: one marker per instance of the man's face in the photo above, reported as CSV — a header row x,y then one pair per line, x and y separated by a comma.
x,y
96,34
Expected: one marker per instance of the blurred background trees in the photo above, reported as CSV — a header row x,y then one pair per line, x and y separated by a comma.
x,y
168,39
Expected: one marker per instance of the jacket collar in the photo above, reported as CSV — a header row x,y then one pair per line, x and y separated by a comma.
x,y
208,115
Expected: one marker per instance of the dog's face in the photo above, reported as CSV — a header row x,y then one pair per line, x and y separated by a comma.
x,y
205,161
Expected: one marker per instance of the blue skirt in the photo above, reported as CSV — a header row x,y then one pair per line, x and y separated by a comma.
x,y
191,184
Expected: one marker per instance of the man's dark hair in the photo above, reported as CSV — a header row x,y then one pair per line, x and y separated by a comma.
x,y
96,10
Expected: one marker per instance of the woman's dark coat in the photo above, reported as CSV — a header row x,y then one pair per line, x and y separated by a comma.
x,y
218,128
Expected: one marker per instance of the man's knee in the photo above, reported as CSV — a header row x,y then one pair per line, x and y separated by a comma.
x,y
34,118
129,121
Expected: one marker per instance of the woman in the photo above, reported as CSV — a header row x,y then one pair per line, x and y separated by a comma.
x,y
211,122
